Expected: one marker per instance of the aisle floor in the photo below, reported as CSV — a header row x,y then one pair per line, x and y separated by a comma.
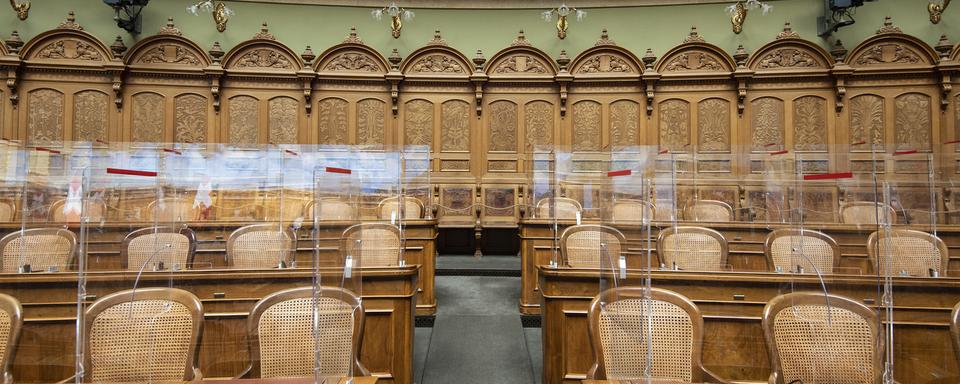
x,y
477,336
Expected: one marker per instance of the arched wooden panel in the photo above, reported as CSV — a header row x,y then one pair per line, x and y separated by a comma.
x,y
190,119
538,124
810,124
45,116
455,126
371,123
767,123
624,124
913,129
587,117
90,116
418,123
674,125
243,113
147,117
282,119
332,113
867,122
503,126
713,125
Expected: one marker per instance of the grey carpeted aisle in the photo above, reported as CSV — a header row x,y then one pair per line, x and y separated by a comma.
x,y
477,336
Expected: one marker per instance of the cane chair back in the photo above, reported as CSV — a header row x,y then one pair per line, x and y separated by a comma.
x,y
94,210
907,252
814,337
692,248
866,212
143,335
813,251
379,244
709,210
412,208
261,246
332,210
561,208
580,245
294,331
172,209
8,211
174,247
11,322
636,211
626,326
41,248
665,210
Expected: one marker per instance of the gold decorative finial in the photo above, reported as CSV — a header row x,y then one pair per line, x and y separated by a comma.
x,y
170,29
520,41
221,15
437,39
739,17
22,9
264,33
787,33
604,39
694,36
934,8
70,22
888,26
352,38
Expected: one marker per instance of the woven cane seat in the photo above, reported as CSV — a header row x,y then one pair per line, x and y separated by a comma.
x,y
866,213
389,207
42,248
172,247
580,246
11,321
379,244
903,251
813,251
260,246
633,211
709,210
561,208
332,210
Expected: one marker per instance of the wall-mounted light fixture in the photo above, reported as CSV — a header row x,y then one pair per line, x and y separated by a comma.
x,y
936,8
396,13
221,12
738,12
22,9
129,20
562,12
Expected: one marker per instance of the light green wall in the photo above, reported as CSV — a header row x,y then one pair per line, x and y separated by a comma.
x,y
636,28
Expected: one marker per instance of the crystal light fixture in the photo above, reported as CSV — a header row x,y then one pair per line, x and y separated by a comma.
x,y
562,12
396,13
220,11
738,12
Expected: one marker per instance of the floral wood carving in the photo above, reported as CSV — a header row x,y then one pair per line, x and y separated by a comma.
x,y
767,124
45,116
912,122
455,126
524,64
693,61
353,62
370,122
586,126
282,120
70,49
713,125
624,123
148,116
169,54
190,119
605,64
503,126
674,125
810,124
866,121
891,53
418,123
788,58
438,64
90,111
244,115
333,121
498,202
538,123
264,58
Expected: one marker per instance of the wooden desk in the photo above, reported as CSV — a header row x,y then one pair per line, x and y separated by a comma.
x,y
642,381
106,239
734,345
324,380
46,353
745,240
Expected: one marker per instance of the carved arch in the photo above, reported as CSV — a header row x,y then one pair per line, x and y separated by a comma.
x,y
955,56
78,47
171,51
892,49
518,61
436,61
695,57
262,55
790,54
606,60
351,58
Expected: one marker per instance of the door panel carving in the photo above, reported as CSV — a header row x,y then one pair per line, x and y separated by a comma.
x,y
767,123
538,123
503,126
45,116
190,119
418,127
674,124
624,123
148,117
333,121
282,120
244,114
90,109
370,122
455,126
713,125
866,121
810,124
586,126
912,124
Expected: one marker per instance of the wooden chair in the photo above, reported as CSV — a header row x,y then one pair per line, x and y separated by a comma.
x,y
564,208
692,248
42,248
636,211
621,319
818,338
865,213
331,210
914,252
261,246
709,210
8,211
172,209
288,331
11,322
580,245
412,207
170,245
143,335
380,244
813,251
95,210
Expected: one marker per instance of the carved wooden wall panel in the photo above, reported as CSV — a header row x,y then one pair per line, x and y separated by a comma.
x,y
538,124
624,124
674,125
190,119
147,117
332,126
243,116
45,116
418,123
283,120
810,124
867,121
713,125
767,122
587,117
91,116
503,126
913,128
455,126
371,122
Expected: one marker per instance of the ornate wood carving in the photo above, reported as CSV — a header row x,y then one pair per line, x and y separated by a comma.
x,y
418,123
891,48
867,124
264,58
674,125
888,54
169,54
694,61
624,123
810,124
498,202
438,63
332,126
605,63
713,125
767,123
370,122
788,58
244,115
44,116
522,64
912,122
70,49
148,116
455,126
190,118
90,116
538,124
586,126
353,62
282,120
503,126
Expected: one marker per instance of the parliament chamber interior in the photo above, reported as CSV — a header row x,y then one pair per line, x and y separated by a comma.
x,y
445,191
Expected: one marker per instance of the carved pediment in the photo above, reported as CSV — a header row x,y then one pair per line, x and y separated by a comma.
x,y
438,63
694,61
521,64
604,63
169,53
263,58
788,57
353,62
70,49
889,53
